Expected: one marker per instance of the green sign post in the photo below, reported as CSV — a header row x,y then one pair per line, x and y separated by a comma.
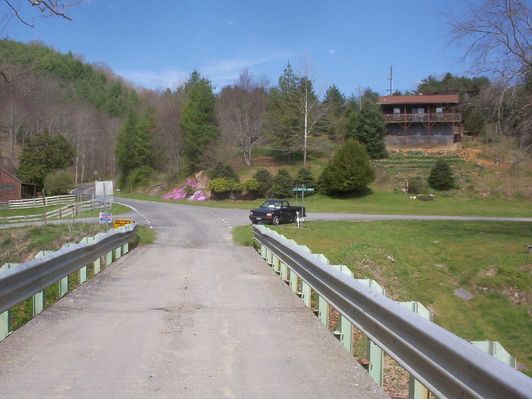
x,y
302,190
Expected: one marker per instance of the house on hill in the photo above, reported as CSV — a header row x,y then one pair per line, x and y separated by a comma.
x,y
422,119
12,188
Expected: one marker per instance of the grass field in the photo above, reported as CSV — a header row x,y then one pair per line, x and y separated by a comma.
x,y
383,203
23,212
427,261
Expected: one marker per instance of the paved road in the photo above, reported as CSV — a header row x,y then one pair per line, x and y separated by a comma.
x,y
192,316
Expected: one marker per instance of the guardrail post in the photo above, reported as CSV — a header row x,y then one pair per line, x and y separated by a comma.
x,y
63,287
306,293
125,248
417,390
263,251
323,311
109,258
375,354
38,298
118,253
346,328
276,264
5,324
284,271
495,349
293,281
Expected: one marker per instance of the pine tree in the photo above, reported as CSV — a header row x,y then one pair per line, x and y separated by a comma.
x,y
43,154
441,176
367,126
348,171
198,120
282,115
282,184
134,147
334,121
305,178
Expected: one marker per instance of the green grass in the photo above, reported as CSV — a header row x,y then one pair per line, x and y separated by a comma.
x,y
427,260
116,209
29,211
380,202
146,235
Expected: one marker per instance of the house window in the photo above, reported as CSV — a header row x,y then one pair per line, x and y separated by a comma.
x,y
439,110
397,111
7,187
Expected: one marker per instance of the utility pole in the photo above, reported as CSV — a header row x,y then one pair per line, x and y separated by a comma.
x,y
390,78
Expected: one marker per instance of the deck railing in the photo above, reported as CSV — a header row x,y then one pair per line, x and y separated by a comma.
x,y
435,117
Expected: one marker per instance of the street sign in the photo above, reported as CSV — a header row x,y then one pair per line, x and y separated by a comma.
x,y
105,217
121,222
303,189
104,191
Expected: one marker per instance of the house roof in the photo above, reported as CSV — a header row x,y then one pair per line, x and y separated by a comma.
x,y
420,99
2,170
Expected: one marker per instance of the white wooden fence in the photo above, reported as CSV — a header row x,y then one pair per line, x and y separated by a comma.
x,y
69,210
38,202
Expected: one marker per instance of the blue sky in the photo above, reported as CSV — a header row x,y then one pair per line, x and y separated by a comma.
x,y
157,43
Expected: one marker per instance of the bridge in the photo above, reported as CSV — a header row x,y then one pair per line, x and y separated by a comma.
x,y
191,316
195,316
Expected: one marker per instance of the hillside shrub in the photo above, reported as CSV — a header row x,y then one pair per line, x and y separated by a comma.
x,y
282,184
252,187
223,170
416,185
140,176
305,178
58,182
265,179
222,187
349,171
441,176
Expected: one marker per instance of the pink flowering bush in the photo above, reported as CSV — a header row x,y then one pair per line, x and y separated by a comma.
x,y
190,189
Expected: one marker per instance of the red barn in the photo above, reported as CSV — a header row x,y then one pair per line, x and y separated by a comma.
x,y
10,186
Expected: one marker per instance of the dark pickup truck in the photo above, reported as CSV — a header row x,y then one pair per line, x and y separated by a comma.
x,y
276,211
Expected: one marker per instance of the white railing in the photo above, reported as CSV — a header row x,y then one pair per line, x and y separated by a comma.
x,y
38,202
66,211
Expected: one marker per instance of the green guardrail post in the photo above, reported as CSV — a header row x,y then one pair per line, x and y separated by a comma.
x,y
5,324
417,390
125,248
63,287
294,280
38,298
263,250
108,258
97,266
495,349
323,311
375,354
284,271
306,294
276,264
269,258
346,328
118,252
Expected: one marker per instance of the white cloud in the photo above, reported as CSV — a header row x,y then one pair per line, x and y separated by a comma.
x,y
332,51
220,73
168,78
223,72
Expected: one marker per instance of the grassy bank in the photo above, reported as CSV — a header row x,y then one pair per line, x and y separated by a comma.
x,y
427,261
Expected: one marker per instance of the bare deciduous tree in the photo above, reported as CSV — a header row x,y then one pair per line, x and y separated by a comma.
x,y
240,110
498,35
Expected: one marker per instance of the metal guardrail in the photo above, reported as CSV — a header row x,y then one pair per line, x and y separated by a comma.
x,y
31,278
446,364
